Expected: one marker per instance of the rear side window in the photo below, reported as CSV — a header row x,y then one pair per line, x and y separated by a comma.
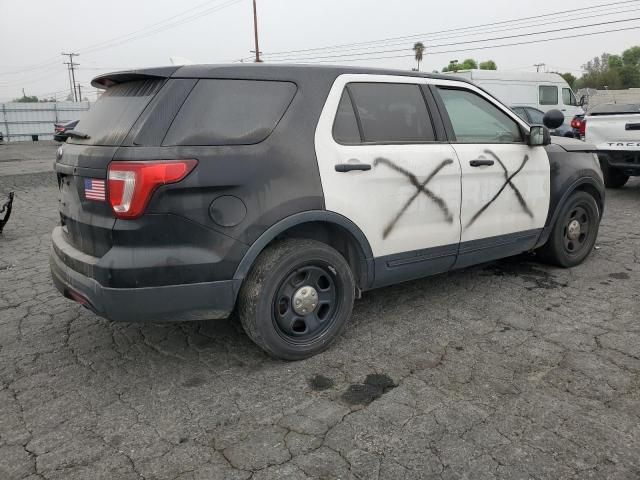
x,y
110,119
345,126
548,95
388,113
230,112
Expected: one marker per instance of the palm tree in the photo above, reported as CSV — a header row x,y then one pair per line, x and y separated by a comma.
x,y
418,49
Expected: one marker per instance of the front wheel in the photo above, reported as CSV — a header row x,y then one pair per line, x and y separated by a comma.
x,y
575,232
297,298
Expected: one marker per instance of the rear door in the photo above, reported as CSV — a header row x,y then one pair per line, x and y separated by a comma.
x,y
385,165
505,183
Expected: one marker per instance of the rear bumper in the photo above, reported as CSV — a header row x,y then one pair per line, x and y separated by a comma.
x,y
194,301
628,162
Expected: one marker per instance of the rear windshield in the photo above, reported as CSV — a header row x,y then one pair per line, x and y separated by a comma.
x,y
109,120
230,112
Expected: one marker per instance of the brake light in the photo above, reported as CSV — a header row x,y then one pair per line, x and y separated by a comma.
x,y
131,184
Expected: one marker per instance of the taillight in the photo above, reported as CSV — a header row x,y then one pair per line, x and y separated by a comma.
x,y
583,128
131,184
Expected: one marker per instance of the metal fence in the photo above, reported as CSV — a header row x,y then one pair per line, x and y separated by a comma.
x,y
26,121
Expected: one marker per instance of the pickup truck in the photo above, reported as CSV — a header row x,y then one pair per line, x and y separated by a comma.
x,y
615,131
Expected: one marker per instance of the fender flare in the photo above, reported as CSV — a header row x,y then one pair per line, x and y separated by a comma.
x,y
551,220
298,219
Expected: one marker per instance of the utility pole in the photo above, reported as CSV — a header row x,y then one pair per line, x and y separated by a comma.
x,y
72,68
538,65
79,93
255,31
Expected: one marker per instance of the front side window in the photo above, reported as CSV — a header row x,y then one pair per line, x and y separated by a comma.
x,y
476,120
230,112
521,113
548,95
568,98
387,113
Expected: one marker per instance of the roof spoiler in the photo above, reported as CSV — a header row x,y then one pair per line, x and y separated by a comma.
x,y
110,79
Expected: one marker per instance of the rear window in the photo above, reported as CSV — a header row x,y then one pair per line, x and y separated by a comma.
x,y
230,112
112,116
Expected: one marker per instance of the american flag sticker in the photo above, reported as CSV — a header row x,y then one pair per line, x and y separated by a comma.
x,y
94,189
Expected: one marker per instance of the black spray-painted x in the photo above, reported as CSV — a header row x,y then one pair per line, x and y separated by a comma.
x,y
508,182
421,187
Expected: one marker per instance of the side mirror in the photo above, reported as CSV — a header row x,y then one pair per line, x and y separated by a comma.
x,y
583,100
539,136
553,119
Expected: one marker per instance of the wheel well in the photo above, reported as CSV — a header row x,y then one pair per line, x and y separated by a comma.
x,y
593,191
338,238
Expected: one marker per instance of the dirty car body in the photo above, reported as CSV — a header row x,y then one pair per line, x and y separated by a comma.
x,y
193,191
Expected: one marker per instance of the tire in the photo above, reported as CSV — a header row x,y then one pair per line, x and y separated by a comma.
x,y
289,271
613,178
569,246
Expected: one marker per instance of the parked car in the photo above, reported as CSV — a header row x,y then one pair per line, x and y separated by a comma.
x,y
579,126
615,131
283,192
544,91
61,130
533,116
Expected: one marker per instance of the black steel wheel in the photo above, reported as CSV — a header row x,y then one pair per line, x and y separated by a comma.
x,y
297,298
306,303
575,232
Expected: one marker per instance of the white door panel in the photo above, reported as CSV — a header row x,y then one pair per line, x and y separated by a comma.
x,y
492,206
512,193
408,201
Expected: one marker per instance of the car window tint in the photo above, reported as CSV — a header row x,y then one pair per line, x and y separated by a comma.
x,y
521,113
536,116
345,126
568,98
548,95
392,112
230,112
476,120
112,116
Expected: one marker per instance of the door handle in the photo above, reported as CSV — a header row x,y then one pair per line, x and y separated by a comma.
x,y
481,163
352,167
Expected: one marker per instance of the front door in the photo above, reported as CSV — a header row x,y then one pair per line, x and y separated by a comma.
x,y
505,182
383,167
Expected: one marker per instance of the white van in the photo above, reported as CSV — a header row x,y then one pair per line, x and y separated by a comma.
x,y
544,91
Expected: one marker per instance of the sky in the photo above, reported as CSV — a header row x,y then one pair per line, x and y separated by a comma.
x,y
126,34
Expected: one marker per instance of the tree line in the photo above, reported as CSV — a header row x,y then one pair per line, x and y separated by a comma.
x,y
615,72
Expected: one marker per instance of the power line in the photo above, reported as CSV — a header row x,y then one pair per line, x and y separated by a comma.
x,y
170,22
506,37
453,30
472,34
543,40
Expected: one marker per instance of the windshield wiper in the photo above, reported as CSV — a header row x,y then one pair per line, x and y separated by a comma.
x,y
77,134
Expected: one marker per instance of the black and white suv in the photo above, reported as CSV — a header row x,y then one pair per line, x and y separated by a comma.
x,y
282,192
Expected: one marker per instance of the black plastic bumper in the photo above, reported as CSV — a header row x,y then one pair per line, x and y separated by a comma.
x,y
196,301
627,162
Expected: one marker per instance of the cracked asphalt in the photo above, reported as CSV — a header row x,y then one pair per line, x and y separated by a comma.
x,y
512,370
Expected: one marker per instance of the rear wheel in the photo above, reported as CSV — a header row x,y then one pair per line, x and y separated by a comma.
x,y
613,178
297,298
574,233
